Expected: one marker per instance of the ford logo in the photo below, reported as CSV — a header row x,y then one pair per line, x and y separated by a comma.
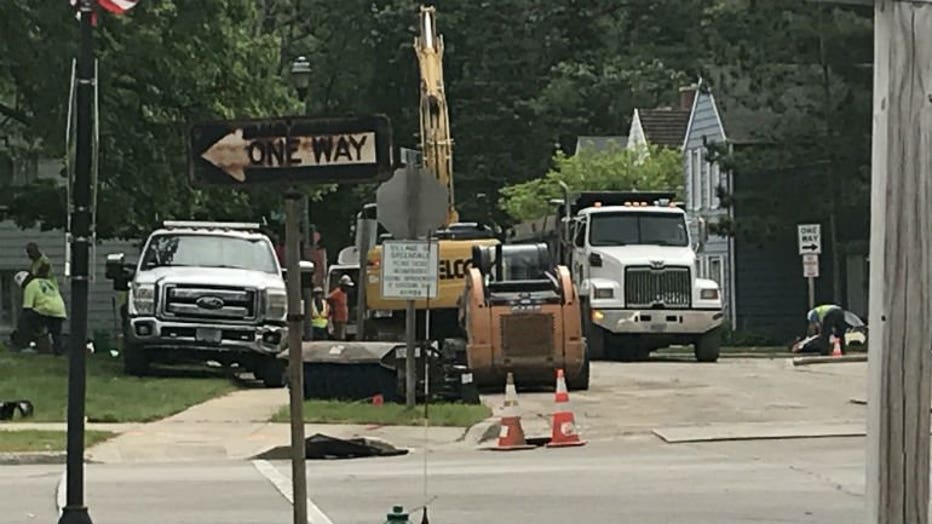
x,y
210,302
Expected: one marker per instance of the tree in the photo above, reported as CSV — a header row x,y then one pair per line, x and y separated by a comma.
x,y
651,168
804,70
163,66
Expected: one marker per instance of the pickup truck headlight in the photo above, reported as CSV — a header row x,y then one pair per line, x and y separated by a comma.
x,y
276,304
708,294
143,299
604,292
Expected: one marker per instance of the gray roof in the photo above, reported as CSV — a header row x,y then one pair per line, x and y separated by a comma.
x,y
600,143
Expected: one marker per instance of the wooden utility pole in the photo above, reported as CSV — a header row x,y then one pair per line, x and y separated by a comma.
x,y
900,352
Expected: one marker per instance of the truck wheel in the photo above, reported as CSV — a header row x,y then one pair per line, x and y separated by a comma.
x,y
595,341
135,360
580,381
273,372
707,346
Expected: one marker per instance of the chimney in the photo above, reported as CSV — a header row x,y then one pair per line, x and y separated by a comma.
x,y
687,96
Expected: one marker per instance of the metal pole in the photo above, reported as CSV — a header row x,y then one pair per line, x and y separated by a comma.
x,y
811,292
362,247
295,359
410,364
74,511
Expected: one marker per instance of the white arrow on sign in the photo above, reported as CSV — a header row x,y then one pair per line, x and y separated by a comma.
x,y
234,154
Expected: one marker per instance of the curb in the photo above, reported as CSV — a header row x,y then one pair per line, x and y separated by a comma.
x,y
481,431
33,458
803,361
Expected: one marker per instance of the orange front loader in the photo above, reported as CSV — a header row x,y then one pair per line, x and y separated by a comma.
x,y
521,314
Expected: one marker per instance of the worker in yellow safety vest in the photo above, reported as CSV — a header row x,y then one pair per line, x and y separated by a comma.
x,y
320,314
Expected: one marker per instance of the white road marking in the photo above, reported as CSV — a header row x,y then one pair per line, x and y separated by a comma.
x,y
60,499
283,485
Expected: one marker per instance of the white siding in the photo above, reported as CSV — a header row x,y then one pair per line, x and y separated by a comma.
x,y
101,295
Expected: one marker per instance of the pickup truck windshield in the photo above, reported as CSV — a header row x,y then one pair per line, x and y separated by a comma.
x,y
623,229
209,251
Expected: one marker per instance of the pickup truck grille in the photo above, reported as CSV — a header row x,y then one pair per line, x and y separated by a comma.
x,y
209,303
527,335
647,287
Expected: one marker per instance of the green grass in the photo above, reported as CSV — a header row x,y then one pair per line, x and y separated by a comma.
x,y
111,395
18,441
390,414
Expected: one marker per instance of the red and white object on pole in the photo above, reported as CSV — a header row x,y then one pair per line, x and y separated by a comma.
x,y
118,6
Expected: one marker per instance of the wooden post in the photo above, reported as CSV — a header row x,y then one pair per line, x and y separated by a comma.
x,y
900,352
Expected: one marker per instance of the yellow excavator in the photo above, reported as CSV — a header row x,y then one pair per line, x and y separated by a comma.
x,y
456,239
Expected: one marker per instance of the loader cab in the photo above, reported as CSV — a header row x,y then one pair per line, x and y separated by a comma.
x,y
519,274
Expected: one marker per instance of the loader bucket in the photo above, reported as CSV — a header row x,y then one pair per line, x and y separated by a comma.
x,y
348,370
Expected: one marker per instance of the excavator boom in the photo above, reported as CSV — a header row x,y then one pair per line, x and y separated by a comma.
x,y
436,141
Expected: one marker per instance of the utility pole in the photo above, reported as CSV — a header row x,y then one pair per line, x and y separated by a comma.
x,y
75,512
901,260
295,356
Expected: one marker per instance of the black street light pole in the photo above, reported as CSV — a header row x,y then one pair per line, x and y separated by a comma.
x,y
301,76
75,512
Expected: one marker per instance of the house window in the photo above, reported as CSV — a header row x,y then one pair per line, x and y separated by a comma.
x,y
715,270
715,177
696,174
706,184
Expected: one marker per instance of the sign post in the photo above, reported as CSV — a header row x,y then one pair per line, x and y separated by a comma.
x,y
292,151
810,247
409,272
411,205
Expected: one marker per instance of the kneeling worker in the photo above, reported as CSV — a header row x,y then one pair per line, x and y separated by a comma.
x,y
43,306
828,320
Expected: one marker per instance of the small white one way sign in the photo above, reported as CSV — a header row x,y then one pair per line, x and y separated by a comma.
x,y
810,239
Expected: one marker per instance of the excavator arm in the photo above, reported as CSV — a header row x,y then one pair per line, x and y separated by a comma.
x,y
436,141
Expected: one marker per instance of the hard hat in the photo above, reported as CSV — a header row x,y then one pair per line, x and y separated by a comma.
x,y
345,280
318,289
20,277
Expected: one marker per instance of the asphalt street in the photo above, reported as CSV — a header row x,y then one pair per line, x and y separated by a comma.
x,y
635,479
624,474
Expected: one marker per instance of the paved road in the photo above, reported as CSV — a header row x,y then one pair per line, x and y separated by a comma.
x,y
635,398
625,474
633,479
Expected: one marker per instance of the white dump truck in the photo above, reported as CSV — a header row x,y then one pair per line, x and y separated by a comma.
x,y
634,264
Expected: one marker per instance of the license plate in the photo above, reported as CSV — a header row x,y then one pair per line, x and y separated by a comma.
x,y
658,327
207,335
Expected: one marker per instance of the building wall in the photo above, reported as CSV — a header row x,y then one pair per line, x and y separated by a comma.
x,y
101,312
716,261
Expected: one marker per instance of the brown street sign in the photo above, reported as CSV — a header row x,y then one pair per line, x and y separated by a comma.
x,y
294,150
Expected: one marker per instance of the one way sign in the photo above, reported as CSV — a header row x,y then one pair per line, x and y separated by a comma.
x,y
344,150
810,239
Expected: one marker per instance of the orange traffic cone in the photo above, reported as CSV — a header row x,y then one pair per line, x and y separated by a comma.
x,y
564,423
511,434
836,350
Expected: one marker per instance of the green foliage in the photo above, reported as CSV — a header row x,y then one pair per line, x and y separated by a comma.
x,y
162,67
650,168
111,395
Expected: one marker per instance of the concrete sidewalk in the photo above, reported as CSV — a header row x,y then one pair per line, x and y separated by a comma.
x,y
236,427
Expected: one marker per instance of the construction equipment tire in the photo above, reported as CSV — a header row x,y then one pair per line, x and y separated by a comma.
x,y
273,372
135,360
580,382
707,346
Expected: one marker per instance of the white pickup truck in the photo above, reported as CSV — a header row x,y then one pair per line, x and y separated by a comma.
x,y
635,270
204,291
